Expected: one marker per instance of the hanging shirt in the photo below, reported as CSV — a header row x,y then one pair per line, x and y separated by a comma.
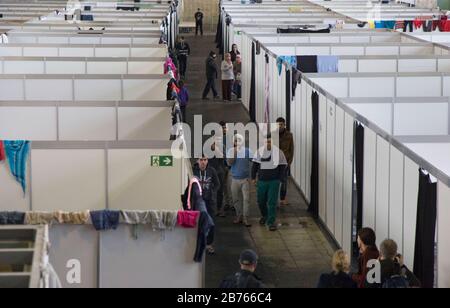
x,y
327,64
307,64
183,97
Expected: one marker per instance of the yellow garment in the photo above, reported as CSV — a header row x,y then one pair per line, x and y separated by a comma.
x,y
39,218
295,10
372,24
74,218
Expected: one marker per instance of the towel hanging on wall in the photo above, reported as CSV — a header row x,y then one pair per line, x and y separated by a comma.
x,y
327,64
307,64
2,151
17,154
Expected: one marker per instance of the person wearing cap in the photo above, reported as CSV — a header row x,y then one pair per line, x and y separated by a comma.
x,y
239,158
245,278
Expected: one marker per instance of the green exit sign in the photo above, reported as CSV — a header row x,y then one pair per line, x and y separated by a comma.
x,y
162,161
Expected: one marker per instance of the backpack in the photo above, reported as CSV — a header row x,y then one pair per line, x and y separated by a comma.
x,y
186,197
237,281
396,282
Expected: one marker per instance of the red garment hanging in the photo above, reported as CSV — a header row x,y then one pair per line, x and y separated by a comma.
x,y
444,26
2,151
418,23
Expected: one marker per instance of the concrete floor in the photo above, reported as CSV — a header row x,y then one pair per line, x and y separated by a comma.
x,y
298,252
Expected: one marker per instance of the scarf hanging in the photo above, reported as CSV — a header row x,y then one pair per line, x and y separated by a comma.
x,y
17,153
2,151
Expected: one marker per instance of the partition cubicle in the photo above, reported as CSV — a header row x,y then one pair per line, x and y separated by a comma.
x,y
93,107
81,65
404,76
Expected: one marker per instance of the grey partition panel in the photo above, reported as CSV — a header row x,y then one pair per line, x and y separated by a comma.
x,y
154,259
79,244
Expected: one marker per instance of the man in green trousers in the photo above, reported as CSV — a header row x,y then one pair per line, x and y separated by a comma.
x,y
269,165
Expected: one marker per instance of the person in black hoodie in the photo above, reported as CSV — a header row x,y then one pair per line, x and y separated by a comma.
x,y
339,278
209,182
212,73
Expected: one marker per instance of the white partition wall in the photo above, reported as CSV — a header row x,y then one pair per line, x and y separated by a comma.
x,y
83,50
83,88
443,235
93,105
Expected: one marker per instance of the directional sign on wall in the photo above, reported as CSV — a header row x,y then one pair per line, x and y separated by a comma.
x,y
162,161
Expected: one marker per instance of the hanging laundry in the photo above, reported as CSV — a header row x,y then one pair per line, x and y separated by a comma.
x,y
170,66
2,151
390,24
73,218
371,24
163,220
135,217
400,25
267,91
428,26
444,24
435,24
17,154
296,79
49,277
418,23
192,199
327,64
303,30
12,218
188,219
307,64
379,25
40,218
105,219
205,225
409,25
290,60
168,220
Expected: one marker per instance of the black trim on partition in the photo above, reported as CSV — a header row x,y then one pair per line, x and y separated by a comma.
x,y
252,103
314,202
424,254
359,171
288,98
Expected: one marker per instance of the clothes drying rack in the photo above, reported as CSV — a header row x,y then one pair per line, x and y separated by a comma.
x,y
22,250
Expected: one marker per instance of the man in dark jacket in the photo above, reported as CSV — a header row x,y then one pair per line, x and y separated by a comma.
x,y
287,146
245,278
210,184
199,22
211,76
183,51
394,274
218,163
269,164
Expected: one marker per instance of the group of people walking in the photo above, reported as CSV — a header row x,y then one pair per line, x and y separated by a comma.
x,y
230,72
226,178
